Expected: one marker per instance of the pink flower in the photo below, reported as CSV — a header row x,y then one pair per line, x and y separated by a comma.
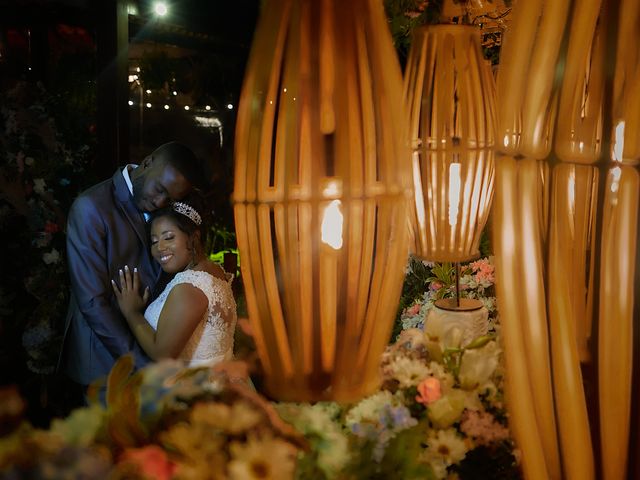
x,y
435,286
483,270
428,391
152,461
413,310
482,427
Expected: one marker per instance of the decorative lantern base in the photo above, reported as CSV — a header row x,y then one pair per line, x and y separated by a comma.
x,y
459,304
470,317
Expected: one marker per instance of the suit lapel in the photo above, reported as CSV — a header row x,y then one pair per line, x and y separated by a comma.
x,y
132,213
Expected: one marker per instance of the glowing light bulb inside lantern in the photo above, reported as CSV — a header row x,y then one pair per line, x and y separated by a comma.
x,y
332,221
454,192
618,144
417,189
616,173
571,187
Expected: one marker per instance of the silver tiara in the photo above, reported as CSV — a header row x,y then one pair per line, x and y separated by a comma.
x,y
188,211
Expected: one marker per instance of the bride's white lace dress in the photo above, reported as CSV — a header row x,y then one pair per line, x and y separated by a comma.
x,y
212,340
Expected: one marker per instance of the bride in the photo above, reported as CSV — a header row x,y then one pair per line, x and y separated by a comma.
x,y
194,318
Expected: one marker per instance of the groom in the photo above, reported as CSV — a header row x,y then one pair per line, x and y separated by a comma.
x,y
106,230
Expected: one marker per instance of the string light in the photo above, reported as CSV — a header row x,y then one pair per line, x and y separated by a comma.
x,y
130,102
186,107
148,105
207,107
166,107
230,106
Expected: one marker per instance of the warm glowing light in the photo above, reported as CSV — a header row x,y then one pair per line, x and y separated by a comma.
x,y
133,78
130,102
331,189
148,91
148,105
166,107
454,193
332,221
417,188
616,173
571,191
208,107
160,9
284,89
618,142
186,107
175,93
230,106
138,69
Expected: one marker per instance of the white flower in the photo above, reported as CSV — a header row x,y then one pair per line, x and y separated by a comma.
x,y
408,372
39,185
368,409
438,371
478,365
446,446
262,458
29,161
51,257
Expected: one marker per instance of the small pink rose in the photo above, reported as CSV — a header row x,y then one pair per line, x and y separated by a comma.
x,y
435,286
152,461
413,310
428,391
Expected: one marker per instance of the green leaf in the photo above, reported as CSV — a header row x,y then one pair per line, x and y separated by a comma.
x,y
479,342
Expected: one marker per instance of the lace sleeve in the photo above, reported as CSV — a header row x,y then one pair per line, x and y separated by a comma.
x,y
218,291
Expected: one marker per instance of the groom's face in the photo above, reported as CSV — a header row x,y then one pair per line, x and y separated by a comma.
x,y
159,184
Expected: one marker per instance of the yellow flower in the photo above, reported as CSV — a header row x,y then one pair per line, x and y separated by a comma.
x,y
235,419
262,458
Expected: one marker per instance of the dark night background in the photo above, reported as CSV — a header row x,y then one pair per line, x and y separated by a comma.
x,y
73,108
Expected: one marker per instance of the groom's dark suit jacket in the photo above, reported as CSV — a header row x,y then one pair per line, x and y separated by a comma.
x,y
105,232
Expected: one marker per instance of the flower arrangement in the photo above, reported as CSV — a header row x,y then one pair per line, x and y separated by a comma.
x,y
40,171
426,282
431,419
163,422
440,411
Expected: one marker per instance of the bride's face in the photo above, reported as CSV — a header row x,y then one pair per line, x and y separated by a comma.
x,y
170,246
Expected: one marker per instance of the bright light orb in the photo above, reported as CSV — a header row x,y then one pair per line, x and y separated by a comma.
x,y
160,8
230,106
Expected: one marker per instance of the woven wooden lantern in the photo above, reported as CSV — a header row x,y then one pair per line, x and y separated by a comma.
x,y
321,186
449,98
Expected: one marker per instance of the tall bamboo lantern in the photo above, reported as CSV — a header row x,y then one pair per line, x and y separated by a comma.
x,y
449,98
548,301
321,187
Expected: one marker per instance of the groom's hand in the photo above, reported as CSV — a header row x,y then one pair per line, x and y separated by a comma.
x,y
128,295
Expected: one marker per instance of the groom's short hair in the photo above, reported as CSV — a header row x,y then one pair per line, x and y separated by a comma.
x,y
186,162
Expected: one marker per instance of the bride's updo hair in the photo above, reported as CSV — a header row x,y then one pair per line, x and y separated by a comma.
x,y
190,215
